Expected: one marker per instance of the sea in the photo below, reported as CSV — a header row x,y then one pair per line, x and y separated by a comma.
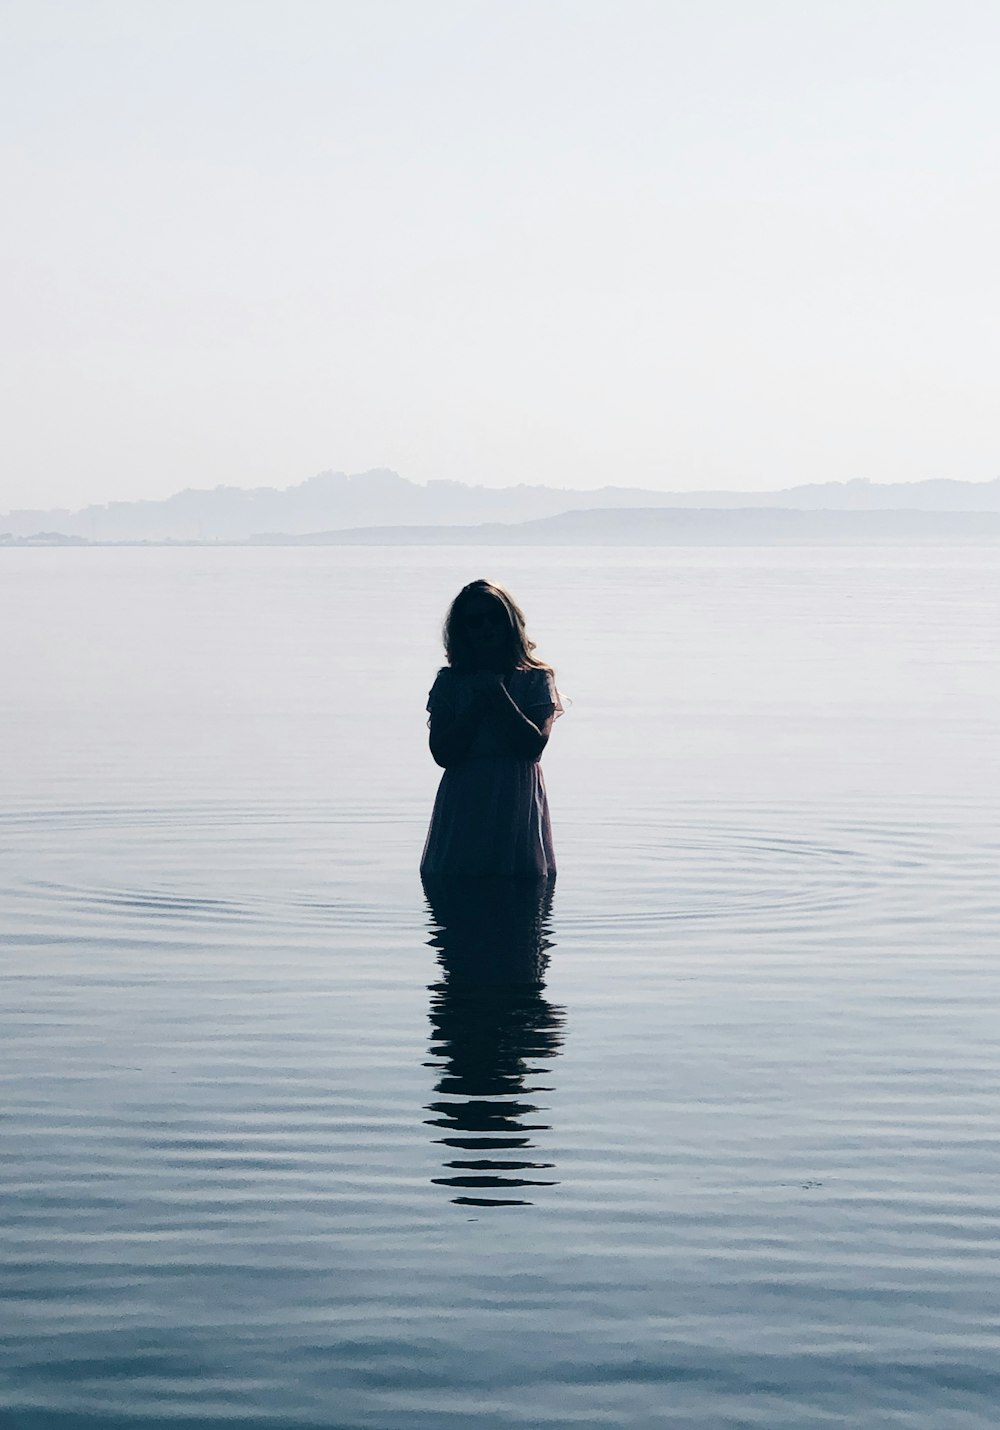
x,y
707,1135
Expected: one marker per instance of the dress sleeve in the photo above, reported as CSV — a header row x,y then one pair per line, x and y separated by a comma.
x,y
543,693
441,699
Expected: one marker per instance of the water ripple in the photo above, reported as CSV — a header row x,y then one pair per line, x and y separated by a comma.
x,y
716,1114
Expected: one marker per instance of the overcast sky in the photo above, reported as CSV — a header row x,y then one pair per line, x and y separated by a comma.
x,y
675,243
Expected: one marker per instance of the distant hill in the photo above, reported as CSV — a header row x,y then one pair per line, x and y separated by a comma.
x,y
334,501
655,526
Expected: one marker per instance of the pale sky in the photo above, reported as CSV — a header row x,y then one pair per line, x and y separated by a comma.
x,y
670,243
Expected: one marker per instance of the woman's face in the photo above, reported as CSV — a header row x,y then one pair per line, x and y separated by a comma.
x,y
486,628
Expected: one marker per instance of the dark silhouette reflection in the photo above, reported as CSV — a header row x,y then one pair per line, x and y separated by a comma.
x,y
491,1029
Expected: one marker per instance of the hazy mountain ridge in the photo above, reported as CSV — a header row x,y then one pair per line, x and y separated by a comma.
x,y
333,501
674,526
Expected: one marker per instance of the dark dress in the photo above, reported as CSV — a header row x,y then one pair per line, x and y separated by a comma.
x,y
491,814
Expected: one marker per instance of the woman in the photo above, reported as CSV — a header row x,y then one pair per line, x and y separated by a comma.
x,y
491,710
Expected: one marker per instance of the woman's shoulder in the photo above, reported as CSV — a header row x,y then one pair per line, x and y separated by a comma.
x,y
539,682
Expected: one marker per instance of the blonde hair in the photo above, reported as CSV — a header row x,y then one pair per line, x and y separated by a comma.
x,y
456,645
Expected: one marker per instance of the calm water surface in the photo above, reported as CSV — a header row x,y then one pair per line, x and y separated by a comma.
x,y
705,1136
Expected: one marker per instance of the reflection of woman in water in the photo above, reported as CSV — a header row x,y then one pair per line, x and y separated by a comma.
x,y
493,1032
491,710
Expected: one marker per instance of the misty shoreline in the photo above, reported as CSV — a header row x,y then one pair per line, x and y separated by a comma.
x,y
378,505
629,526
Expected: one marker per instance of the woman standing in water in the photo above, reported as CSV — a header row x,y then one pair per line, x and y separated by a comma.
x,y
491,710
